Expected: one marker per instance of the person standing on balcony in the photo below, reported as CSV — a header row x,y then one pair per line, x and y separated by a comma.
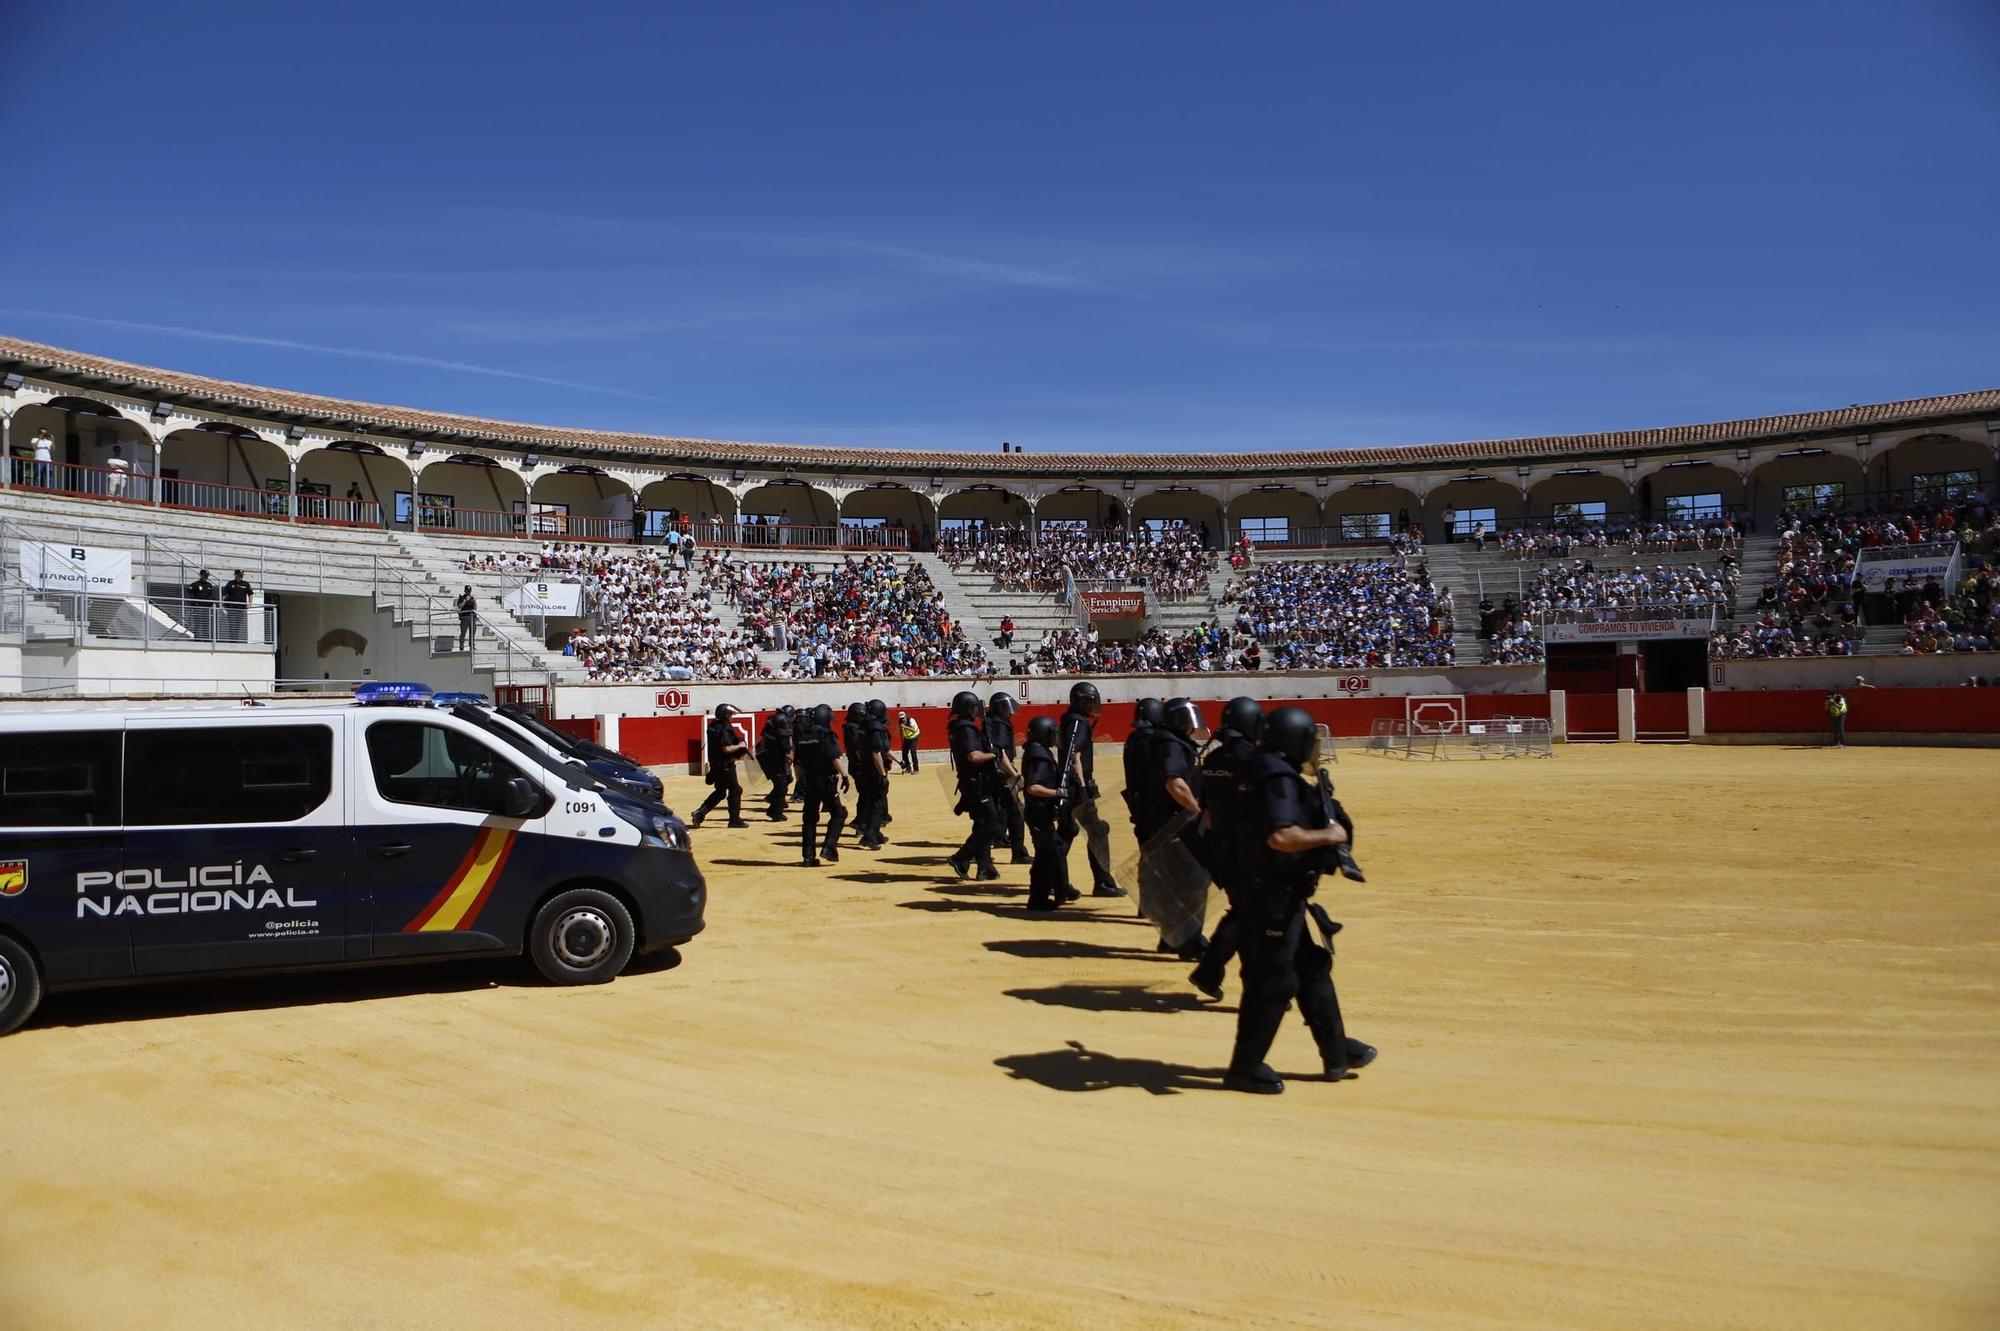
x,y
467,606
354,501
200,596
120,470
45,452
236,597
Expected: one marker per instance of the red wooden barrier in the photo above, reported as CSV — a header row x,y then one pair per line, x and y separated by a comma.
x,y
1593,716
1870,711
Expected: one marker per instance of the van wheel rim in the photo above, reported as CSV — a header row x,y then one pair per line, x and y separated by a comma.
x,y
6,982
583,938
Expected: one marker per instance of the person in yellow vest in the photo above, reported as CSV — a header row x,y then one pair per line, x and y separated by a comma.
x,y
1836,715
907,727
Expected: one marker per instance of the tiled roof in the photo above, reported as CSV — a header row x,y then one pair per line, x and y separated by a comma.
x,y
364,417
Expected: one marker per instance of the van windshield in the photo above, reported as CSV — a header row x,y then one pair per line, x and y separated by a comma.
x,y
540,729
575,774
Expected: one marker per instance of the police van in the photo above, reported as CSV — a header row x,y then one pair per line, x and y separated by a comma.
x,y
163,841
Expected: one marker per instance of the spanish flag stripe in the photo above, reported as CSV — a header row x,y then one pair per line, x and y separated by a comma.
x,y
471,915
467,884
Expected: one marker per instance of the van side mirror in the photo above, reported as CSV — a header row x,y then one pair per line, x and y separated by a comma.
x,y
521,799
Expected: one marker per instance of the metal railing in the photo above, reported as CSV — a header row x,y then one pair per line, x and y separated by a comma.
x,y
141,621
466,633
215,497
75,480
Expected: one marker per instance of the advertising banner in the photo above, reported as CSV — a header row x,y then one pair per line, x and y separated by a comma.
x,y
545,598
1874,574
1114,605
76,568
1621,630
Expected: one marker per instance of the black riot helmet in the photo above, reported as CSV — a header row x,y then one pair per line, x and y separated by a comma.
x,y
1245,716
1149,712
1292,734
965,705
723,711
877,708
1182,716
856,710
785,712
1002,704
1084,697
822,715
1042,730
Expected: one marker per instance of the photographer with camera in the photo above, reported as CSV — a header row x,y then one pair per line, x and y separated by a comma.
x,y
1288,834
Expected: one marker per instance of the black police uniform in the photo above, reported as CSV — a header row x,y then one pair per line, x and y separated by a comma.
x,y
1281,962
854,737
1138,753
1048,879
1000,739
975,799
774,755
722,737
883,747
816,763
1173,755
201,612
1076,745
1225,766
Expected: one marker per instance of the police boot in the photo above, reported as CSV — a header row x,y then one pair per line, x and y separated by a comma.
x,y
1020,855
1256,1027
1321,1009
961,864
987,873
830,851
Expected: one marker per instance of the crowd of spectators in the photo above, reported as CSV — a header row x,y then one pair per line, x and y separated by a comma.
x,y
867,616
1640,538
1082,651
1576,591
1174,560
649,623
1345,615
1965,618
1509,635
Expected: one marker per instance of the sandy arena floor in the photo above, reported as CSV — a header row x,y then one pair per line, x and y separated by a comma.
x,y
1671,1037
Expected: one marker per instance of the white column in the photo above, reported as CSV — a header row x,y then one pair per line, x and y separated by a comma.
x,y
1559,716
156,485
1697,713
1628,716
6,449
292,490
607,730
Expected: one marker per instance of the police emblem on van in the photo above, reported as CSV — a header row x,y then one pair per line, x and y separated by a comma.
x,y
13,877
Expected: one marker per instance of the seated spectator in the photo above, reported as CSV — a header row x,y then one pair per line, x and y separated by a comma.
x,y
1344,615
866,617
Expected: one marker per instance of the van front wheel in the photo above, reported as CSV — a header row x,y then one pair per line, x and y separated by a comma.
x,y
582,936
20,984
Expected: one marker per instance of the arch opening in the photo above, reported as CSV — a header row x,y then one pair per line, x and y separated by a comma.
x,y
466,494
222,468
789,514
1370,512
579,503
349,484
1276,514
888,516
1182,505
81,446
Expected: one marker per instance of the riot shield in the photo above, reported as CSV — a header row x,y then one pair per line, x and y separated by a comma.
x,y
751,773
1172,882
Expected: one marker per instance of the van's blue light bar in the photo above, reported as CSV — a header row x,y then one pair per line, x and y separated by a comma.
x,y
454,699
390,692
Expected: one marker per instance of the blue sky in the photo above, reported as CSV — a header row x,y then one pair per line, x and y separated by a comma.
x,y
1097,226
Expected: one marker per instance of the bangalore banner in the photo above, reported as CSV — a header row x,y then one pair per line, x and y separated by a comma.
x,y
1114,605
545,598
1622,630
76,568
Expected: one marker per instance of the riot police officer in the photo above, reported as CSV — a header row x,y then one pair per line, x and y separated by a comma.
x,y
880,747
1000,709
1221,769
725,746
974,763
774,756
1074,756
1138,754
1047,818
1284,838
1172,785
822,777
861,763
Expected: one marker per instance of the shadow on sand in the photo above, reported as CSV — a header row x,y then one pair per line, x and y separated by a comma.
x,y
1076,1068
1115,998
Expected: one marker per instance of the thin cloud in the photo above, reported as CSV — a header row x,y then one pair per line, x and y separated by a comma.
x,y
322,349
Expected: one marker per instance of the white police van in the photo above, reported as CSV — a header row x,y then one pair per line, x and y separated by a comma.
x,y
160,841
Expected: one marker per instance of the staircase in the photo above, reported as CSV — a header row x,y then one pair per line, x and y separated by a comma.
x,y
438,561
170,547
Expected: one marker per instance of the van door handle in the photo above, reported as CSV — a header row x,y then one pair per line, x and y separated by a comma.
x,y
391,849
297,853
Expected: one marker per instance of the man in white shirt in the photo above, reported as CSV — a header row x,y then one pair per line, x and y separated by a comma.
x,y
120,471
45,448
